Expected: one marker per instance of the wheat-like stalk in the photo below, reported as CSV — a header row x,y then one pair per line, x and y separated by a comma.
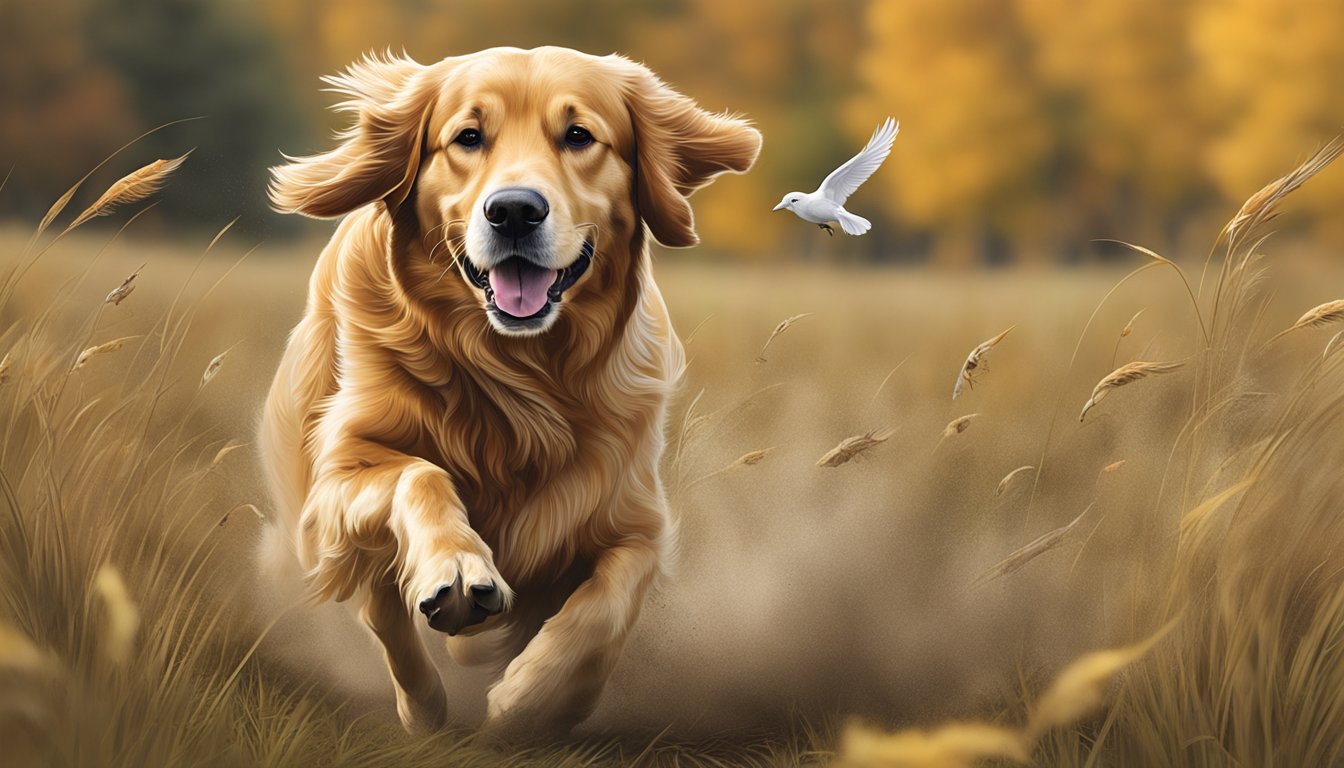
x,y
975,362
1129,327
1008,480
101,349
1125,374
782,327
1262,206
853,446
1329,312
136,185
122,291
1025,554
5,363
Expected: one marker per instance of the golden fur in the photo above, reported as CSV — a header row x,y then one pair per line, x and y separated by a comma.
x,y
412,444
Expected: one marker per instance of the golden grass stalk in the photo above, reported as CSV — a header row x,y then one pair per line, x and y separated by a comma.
x,y
949,746
1031,551
123,618
101,349
1080,689
975,362
134,186
121,292
228,448
5,363
1008,479
782,327
1195,520
1262,206
853,446
1125,374
1329,312
1129,327
249,507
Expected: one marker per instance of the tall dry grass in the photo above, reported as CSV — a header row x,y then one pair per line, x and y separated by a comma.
x,y
939,561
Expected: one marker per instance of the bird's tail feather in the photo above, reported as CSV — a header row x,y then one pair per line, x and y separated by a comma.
x,y
853,225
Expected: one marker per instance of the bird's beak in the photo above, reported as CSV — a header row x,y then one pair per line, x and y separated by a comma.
x,y
779,207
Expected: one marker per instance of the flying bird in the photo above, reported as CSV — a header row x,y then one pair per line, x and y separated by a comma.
x,y
827,204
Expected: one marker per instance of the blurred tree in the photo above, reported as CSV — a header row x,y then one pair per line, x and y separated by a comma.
x,y
975,136
1274,70
188,58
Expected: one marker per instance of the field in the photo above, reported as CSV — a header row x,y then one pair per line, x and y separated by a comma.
x,y
912,584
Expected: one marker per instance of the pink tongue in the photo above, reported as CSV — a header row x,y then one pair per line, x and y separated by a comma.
x,y
520,286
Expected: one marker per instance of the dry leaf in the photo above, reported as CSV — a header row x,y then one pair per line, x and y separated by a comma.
x,y
1125,374
974,362
853,446
782,327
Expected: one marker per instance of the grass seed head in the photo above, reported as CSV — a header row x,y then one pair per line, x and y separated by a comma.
x,y
1125,374
782,327
1008,479
134,186
5,363
752,458
1129,327
853,446
212,369
1023,555
101,349
122,291
958,425
975,362
1261,207
1329,312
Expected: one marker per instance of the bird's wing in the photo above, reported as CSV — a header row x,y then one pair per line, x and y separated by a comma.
x,y
844,180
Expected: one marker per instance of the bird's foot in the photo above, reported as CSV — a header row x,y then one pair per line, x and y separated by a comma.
x,y
828,229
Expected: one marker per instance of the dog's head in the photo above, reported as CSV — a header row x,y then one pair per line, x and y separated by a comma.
x,y
534,171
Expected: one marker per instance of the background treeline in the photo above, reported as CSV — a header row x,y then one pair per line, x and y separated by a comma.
x,y
1029,127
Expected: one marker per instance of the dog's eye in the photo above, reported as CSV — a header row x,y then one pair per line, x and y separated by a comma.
x,y
469,137
578,137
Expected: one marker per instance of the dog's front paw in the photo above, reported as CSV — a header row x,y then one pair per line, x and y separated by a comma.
x,y
469,593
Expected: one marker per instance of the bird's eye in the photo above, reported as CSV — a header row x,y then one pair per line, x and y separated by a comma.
x,y
577,137
794,200
469,137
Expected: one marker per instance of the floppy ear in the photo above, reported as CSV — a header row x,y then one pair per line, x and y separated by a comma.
x,y
378,156
679,148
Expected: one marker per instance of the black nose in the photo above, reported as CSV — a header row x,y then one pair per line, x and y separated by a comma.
x,y
515,212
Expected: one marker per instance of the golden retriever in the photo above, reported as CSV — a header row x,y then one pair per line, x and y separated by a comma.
x,y
466,426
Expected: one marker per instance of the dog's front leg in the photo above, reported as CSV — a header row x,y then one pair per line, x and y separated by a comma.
x,y
393,523
554,683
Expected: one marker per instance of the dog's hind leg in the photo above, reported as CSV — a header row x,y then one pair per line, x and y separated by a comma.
x,y
421,702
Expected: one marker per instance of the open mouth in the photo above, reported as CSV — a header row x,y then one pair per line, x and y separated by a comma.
x,y
519,289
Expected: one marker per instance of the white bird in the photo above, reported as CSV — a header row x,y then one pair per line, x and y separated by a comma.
x,y
827,204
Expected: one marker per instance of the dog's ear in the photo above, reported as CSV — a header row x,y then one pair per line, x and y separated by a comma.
x,y
378,156
679,148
